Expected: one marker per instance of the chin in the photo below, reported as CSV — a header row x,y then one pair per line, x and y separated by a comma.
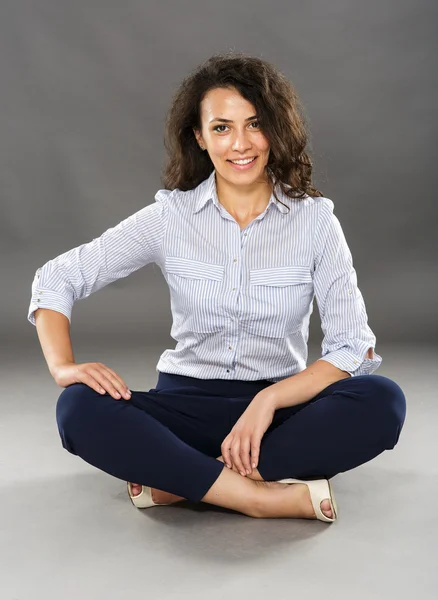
x,y
247,177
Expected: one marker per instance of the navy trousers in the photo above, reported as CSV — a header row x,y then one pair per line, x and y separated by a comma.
x,y
169,437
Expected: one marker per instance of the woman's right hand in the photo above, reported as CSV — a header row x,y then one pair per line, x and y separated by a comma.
x,y
96,375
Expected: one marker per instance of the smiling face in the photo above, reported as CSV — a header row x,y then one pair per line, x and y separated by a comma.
x,y
230,132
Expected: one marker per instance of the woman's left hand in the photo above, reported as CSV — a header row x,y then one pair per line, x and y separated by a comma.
x,y
245,437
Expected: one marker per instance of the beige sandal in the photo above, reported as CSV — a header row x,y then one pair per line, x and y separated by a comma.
x,y
144,498
320,489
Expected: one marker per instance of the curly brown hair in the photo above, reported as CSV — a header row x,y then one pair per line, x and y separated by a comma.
x,y
279,113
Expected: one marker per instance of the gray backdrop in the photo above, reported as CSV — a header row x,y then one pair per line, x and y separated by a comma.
x,y
85,87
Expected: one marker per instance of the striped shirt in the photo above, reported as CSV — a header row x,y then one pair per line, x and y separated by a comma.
x,y
241,300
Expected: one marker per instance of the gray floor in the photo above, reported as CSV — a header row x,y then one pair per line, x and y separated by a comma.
x,y
69,531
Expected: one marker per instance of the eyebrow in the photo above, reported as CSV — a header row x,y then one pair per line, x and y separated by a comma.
x,y
229,120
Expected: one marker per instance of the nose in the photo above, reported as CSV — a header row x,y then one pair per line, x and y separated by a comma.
x,y
241,142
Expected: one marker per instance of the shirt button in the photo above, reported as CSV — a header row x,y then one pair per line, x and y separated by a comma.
x,y
38,299
235,260
245,234
228,370
234,289
230,347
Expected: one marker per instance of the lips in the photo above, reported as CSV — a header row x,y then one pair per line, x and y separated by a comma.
x,y
249,157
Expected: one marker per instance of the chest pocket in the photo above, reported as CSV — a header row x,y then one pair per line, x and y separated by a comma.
x,y
278,298
195,290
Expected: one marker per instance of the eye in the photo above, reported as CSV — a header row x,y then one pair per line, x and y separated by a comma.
x,y
216,128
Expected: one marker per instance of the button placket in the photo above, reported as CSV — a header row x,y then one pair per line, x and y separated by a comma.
x,y
235,278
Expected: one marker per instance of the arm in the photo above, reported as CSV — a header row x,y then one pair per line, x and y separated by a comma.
x,y
348,344
53,330
304,385
54,334
117,253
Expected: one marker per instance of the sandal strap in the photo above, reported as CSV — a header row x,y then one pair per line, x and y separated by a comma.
x,y
319,490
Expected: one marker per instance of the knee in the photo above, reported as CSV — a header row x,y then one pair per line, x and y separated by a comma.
x,y
70,409
389,404
71,402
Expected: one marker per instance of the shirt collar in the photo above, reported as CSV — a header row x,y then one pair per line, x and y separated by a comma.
x,y
208,192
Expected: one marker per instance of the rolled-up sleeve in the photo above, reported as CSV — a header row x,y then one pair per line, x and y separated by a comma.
x,y
344,320
118,252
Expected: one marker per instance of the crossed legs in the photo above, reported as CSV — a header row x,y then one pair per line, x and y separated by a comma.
x,y
352,423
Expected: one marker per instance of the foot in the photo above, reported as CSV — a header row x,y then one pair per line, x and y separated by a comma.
x,y
290,500
158,496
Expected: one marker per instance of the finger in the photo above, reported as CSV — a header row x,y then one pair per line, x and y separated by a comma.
x,y
225,449
235,455
92,383
235,469
104,382
118,382
255,452
244,454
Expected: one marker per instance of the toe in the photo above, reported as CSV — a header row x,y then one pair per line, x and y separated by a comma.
x,y
326,508
135,489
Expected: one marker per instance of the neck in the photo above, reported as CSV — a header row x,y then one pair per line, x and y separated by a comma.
x,y
244,200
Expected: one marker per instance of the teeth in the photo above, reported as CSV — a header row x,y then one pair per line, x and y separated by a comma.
x,y
242,162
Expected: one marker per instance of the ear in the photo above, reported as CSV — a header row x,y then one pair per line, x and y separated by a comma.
x,y
198,136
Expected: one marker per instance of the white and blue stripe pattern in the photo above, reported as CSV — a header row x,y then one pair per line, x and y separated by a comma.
x,y
241,300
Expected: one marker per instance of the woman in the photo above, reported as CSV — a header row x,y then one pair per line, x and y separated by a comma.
x,y
244,242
